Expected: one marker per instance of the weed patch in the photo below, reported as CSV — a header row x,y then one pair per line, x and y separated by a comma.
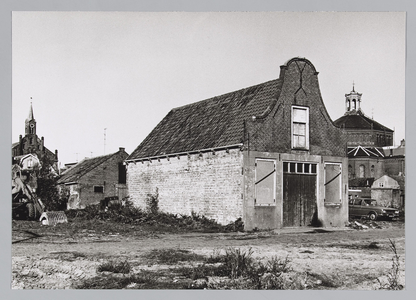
x,y
324,280
127,213
67,255
172,256
115,267
394,273
237,269
142,280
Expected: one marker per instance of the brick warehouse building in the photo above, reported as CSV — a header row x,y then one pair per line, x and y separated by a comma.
x,y
269,154
94,179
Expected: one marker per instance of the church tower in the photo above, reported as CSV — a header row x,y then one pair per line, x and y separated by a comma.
x,y
352,101
31,143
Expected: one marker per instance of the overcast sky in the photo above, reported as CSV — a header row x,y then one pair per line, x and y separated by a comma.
x,y
124,71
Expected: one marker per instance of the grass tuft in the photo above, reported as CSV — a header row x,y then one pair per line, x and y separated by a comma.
x,y
115,267
172,256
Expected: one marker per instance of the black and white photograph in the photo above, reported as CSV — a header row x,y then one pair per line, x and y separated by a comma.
x,y
208,150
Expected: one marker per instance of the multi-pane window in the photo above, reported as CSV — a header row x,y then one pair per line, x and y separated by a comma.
x,y
300,127
299,167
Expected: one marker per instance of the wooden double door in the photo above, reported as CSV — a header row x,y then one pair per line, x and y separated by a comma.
x,y
299,199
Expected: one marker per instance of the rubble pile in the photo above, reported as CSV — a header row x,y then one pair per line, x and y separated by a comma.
x,y
365,225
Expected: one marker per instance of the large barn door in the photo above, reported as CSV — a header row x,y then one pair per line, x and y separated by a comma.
x,y
299,193
265,184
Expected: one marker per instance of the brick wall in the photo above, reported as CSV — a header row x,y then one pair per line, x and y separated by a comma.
x,y
373,167
273,133
394,165
209,185
375,138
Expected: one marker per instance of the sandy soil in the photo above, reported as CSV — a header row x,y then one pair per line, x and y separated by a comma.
x,y
60,261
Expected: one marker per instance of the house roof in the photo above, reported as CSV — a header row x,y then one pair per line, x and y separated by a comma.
x,y
357,120
83,167
211,123
360,182
394,152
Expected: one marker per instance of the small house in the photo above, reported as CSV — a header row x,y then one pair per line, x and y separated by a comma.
x,y
386,191
268,154
94,179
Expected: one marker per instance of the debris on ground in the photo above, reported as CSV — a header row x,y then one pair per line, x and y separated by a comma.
x,y
365,224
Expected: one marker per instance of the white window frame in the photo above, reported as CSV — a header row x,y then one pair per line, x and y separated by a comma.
x,y
306,129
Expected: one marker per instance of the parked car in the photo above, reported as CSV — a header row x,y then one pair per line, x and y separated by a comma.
x,y
366,207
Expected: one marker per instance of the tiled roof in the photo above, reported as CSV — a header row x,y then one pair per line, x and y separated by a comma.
x,y
83,167
211,123
359,121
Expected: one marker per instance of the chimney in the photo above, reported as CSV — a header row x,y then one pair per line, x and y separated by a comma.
x,y
121,149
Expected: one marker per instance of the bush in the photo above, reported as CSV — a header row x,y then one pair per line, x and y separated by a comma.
x,y
52,197
127,213
152,202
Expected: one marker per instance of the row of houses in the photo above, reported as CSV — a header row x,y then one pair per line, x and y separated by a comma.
x,y
269,154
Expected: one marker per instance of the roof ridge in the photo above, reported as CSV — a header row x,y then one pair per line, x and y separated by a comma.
x,y
223,95
83,172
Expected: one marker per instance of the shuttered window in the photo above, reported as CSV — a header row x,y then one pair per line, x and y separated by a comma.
x,y
265,182
333,181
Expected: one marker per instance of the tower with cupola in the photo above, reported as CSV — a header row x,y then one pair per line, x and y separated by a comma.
x,y
352,101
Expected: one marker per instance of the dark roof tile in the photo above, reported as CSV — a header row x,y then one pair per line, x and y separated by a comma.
x,y
83,167
359,121
211,123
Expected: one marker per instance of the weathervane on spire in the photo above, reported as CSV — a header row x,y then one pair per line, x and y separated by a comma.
x,y
353,86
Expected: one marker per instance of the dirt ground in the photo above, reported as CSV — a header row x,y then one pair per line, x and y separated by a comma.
x,y
56,258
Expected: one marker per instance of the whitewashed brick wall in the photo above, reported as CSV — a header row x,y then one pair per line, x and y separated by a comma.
x,y
209,185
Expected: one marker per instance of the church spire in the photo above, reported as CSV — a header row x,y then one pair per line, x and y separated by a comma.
x,y
30,123
31,116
